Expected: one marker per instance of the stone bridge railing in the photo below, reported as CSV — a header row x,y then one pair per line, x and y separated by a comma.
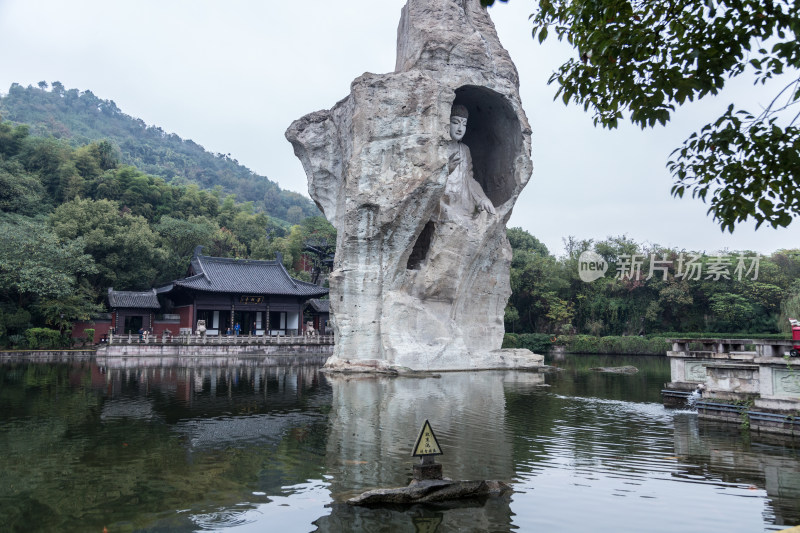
x,y
763,348
220,340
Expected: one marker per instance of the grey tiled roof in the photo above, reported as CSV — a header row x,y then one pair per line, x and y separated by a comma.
x,y
137,299
222,274
320,306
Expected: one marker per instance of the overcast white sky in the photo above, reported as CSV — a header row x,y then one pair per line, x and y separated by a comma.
x,y
233,75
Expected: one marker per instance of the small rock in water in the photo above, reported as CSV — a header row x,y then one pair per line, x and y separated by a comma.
x,y
440,490
616,369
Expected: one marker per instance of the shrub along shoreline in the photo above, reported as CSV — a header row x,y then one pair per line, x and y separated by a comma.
x,y
618,345
588,344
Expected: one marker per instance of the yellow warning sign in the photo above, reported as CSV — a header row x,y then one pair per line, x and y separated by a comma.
x,y
426,442
427,525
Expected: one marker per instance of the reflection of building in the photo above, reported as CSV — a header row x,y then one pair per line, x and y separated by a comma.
x,y
260,296
714,452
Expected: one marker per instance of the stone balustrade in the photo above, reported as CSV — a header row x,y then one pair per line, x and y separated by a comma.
x,y
188,339
759,385
763,348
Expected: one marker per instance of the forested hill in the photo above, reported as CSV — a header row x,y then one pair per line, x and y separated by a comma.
x,y
82,117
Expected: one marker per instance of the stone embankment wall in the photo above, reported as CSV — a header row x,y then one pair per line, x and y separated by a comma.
x,y
45,356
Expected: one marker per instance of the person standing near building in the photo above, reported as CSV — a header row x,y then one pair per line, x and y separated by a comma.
x,y
236,329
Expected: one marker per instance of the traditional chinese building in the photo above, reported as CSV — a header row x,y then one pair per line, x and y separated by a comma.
x,y
260,296
133,310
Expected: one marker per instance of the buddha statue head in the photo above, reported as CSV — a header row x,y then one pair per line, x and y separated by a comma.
x,y
458,122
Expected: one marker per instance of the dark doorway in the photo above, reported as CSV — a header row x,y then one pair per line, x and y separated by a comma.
x,y
277,322
133,324
249,321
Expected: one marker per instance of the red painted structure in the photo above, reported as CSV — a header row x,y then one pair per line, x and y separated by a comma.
x,y
258,295
101,328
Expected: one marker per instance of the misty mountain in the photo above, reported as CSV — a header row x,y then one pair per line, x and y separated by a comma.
x,y
80,117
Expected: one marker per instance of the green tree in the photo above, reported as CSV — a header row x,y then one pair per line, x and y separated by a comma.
x,y
249,227
313,230
537,287
225,244
733,311
36,265
78,117
20,192
11,139
13,320
45,158
642,59
674,304
790,307
124,246
60,313
180,238
294,214
522,240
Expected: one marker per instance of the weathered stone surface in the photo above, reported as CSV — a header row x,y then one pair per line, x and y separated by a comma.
x,y
410,287
421,472
516,358
616,369
439,490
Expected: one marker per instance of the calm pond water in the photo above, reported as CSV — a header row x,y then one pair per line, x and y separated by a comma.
x,y
239,445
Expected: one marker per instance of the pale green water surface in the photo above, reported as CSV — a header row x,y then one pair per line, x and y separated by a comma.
x,y
236,444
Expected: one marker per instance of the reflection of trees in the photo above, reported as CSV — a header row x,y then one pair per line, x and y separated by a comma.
x,y
66,467
577,380
603,428
585,417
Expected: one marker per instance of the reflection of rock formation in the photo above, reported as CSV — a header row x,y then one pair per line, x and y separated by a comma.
x,y
375,420
407,289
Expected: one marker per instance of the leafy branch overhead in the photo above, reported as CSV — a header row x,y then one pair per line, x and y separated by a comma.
x,y
639,60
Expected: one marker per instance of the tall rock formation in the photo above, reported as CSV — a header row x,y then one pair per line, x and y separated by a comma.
x,y
420,280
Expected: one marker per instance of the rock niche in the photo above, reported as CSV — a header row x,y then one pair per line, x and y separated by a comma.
x,y
419,170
